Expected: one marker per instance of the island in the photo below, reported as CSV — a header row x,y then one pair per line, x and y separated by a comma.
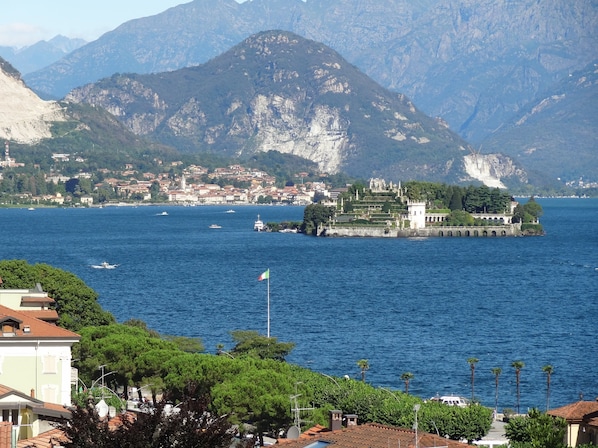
x,y
421,209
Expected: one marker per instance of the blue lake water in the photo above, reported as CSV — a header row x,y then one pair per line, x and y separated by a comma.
x,y
419,305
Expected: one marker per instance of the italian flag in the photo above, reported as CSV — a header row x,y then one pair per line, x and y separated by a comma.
x,y
264,275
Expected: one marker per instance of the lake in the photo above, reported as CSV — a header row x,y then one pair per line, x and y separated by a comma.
x,y
406,305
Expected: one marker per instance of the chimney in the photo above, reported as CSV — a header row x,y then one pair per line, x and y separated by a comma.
x,y
351,420
32,393
336,420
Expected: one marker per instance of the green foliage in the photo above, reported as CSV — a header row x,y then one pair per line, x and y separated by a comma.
x,y
76,303
314,215
251,343
185,344
282,166
536,430
256,396
121,348
528,213
459,218
473,199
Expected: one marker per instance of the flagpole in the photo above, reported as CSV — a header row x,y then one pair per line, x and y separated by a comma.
x,y
268,303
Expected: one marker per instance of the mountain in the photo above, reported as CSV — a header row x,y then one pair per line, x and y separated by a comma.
x,y
36,128
40,54
24,117
557,133
477,64
279,91
472,62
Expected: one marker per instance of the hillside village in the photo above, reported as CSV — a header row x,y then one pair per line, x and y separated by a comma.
x,y
196,185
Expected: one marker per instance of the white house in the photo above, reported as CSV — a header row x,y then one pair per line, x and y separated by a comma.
x,y
35,356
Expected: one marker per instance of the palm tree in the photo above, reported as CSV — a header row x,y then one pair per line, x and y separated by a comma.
x,y
364,365
548,370
472,362
517,365
496,371
406,377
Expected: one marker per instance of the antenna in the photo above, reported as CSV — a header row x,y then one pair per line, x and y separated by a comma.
x,y
296,410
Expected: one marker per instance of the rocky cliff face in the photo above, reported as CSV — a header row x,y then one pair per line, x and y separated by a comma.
x,y
278,91
24,117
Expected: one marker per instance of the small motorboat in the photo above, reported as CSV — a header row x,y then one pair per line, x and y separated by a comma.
x,y
162,214
104,265
230,211
215,226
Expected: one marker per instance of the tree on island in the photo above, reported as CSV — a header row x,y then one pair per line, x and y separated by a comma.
x,y
315,215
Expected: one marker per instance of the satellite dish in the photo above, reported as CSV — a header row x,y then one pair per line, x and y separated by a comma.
x,y
293,433
102,408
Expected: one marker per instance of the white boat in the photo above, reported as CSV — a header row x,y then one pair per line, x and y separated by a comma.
x,y
215,226
162,214
104,265
258,226
30,209
230,211
451,400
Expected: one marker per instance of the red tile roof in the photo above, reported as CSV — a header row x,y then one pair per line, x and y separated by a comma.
x,y
371,435
576,412
45,315
48,439
36,300
37,329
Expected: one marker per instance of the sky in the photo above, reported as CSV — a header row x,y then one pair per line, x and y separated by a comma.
x,y
25,22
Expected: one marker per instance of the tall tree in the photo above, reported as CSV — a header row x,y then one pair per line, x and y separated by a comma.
x,y
496,371
407,377
518,365
251,343
472,362
364,366
548,370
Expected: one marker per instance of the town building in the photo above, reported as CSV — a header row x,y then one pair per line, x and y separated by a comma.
x,y
582,422
36,377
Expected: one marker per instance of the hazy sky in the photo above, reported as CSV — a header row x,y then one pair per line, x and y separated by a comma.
x,y
24,22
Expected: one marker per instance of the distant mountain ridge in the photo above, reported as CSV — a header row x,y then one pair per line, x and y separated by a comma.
x,y
477,64
453,58
279,91
557,133
41,54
